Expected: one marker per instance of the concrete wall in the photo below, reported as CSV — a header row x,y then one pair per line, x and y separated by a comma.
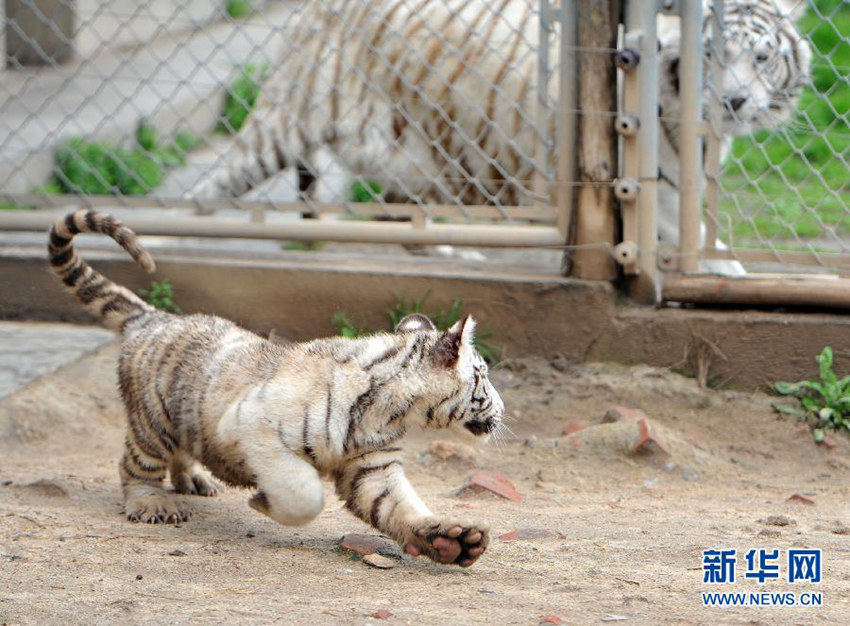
x,y
529,314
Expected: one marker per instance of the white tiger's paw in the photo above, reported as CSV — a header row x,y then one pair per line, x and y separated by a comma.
x,y
449,542
155,509
195,484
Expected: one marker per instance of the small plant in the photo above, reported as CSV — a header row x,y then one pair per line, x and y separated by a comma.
x,y
825,403
98,168
368,191
161,296
238,9
241,97
306,246
443,320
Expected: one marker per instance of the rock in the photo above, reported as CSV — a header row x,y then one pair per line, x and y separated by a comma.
x,y
552,619
528,534
647,441
830,442
799,497
177,553
651,482
778,520
615,618
494,482
139,577
573,427
382,614
381,562
690,474
455,453
560,363
840,528
46,487
367,544
250,534
620,413
769,532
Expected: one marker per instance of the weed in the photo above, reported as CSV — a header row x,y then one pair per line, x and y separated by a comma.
x,y
366,191
161,296
306,246
826,403
238,9
241,97
443,320
98,168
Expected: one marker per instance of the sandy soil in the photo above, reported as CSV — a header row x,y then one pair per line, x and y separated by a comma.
x,y
631,528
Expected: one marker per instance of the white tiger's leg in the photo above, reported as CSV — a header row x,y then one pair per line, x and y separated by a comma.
x,y
290,490
376,490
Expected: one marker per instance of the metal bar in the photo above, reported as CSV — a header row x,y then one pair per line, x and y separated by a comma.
x,y
714,137
566,121
629,154
520,213
822,259
366,232
641,20
690,142
542,115
773,291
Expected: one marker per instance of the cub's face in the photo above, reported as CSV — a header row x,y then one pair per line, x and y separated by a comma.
x,y
464,400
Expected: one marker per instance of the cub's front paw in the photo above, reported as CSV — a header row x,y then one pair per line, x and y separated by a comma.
x,y
449,542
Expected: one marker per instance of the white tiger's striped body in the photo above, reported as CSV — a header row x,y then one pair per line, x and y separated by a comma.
x,y
201,391
436,100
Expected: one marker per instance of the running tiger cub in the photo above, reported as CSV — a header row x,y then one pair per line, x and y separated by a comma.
x,y
201,391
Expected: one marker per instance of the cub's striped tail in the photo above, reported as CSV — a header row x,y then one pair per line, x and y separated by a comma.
x,y
112,303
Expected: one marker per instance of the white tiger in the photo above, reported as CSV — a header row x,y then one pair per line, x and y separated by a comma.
x,y
433,99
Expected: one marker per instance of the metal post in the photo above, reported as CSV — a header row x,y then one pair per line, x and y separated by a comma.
x,y
690,145
543,116
715,135
567,123
641,31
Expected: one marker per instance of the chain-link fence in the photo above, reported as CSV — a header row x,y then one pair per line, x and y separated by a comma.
x,y
420,110
779,193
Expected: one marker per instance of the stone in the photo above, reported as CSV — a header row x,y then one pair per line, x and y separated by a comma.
x,y
382,614
455,453
381,562
494,482
177,553
573,427
830,442
552,619
778,520
802,499
647,441
47,487
769,532
620,413
366,544
528,534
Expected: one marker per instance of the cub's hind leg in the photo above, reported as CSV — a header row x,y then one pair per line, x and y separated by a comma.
x,y
290,490
142,472
188,477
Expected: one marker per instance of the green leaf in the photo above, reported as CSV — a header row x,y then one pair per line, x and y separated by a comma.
x,y
818,434
146,135
824,360
784,409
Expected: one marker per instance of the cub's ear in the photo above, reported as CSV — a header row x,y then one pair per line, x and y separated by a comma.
x,y
415,323
452,343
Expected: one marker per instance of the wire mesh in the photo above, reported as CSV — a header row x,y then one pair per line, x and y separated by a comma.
x,y
782,190
267,103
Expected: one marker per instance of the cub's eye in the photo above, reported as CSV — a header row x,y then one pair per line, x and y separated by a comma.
x,y
762,57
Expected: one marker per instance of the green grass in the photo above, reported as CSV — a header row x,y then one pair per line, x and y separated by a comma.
x,y
161,296
238,9
443,319
792,183
824,403
99,168
241,97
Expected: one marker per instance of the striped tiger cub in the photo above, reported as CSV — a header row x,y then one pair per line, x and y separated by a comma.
x,y
200,391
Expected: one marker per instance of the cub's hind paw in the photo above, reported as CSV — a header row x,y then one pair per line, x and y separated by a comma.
x,y
155,509
449,542
194,484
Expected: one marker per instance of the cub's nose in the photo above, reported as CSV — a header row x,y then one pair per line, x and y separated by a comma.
x,y
734,104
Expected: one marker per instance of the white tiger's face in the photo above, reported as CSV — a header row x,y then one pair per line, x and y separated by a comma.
x,y
464,400
766,64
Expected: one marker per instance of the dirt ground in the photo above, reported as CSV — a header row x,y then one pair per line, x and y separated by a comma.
x,y
628,529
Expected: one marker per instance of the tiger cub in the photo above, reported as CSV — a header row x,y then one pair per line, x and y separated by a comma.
x,y
201,391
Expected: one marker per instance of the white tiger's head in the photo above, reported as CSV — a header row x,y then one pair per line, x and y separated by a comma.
x,y
766,64
462,396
